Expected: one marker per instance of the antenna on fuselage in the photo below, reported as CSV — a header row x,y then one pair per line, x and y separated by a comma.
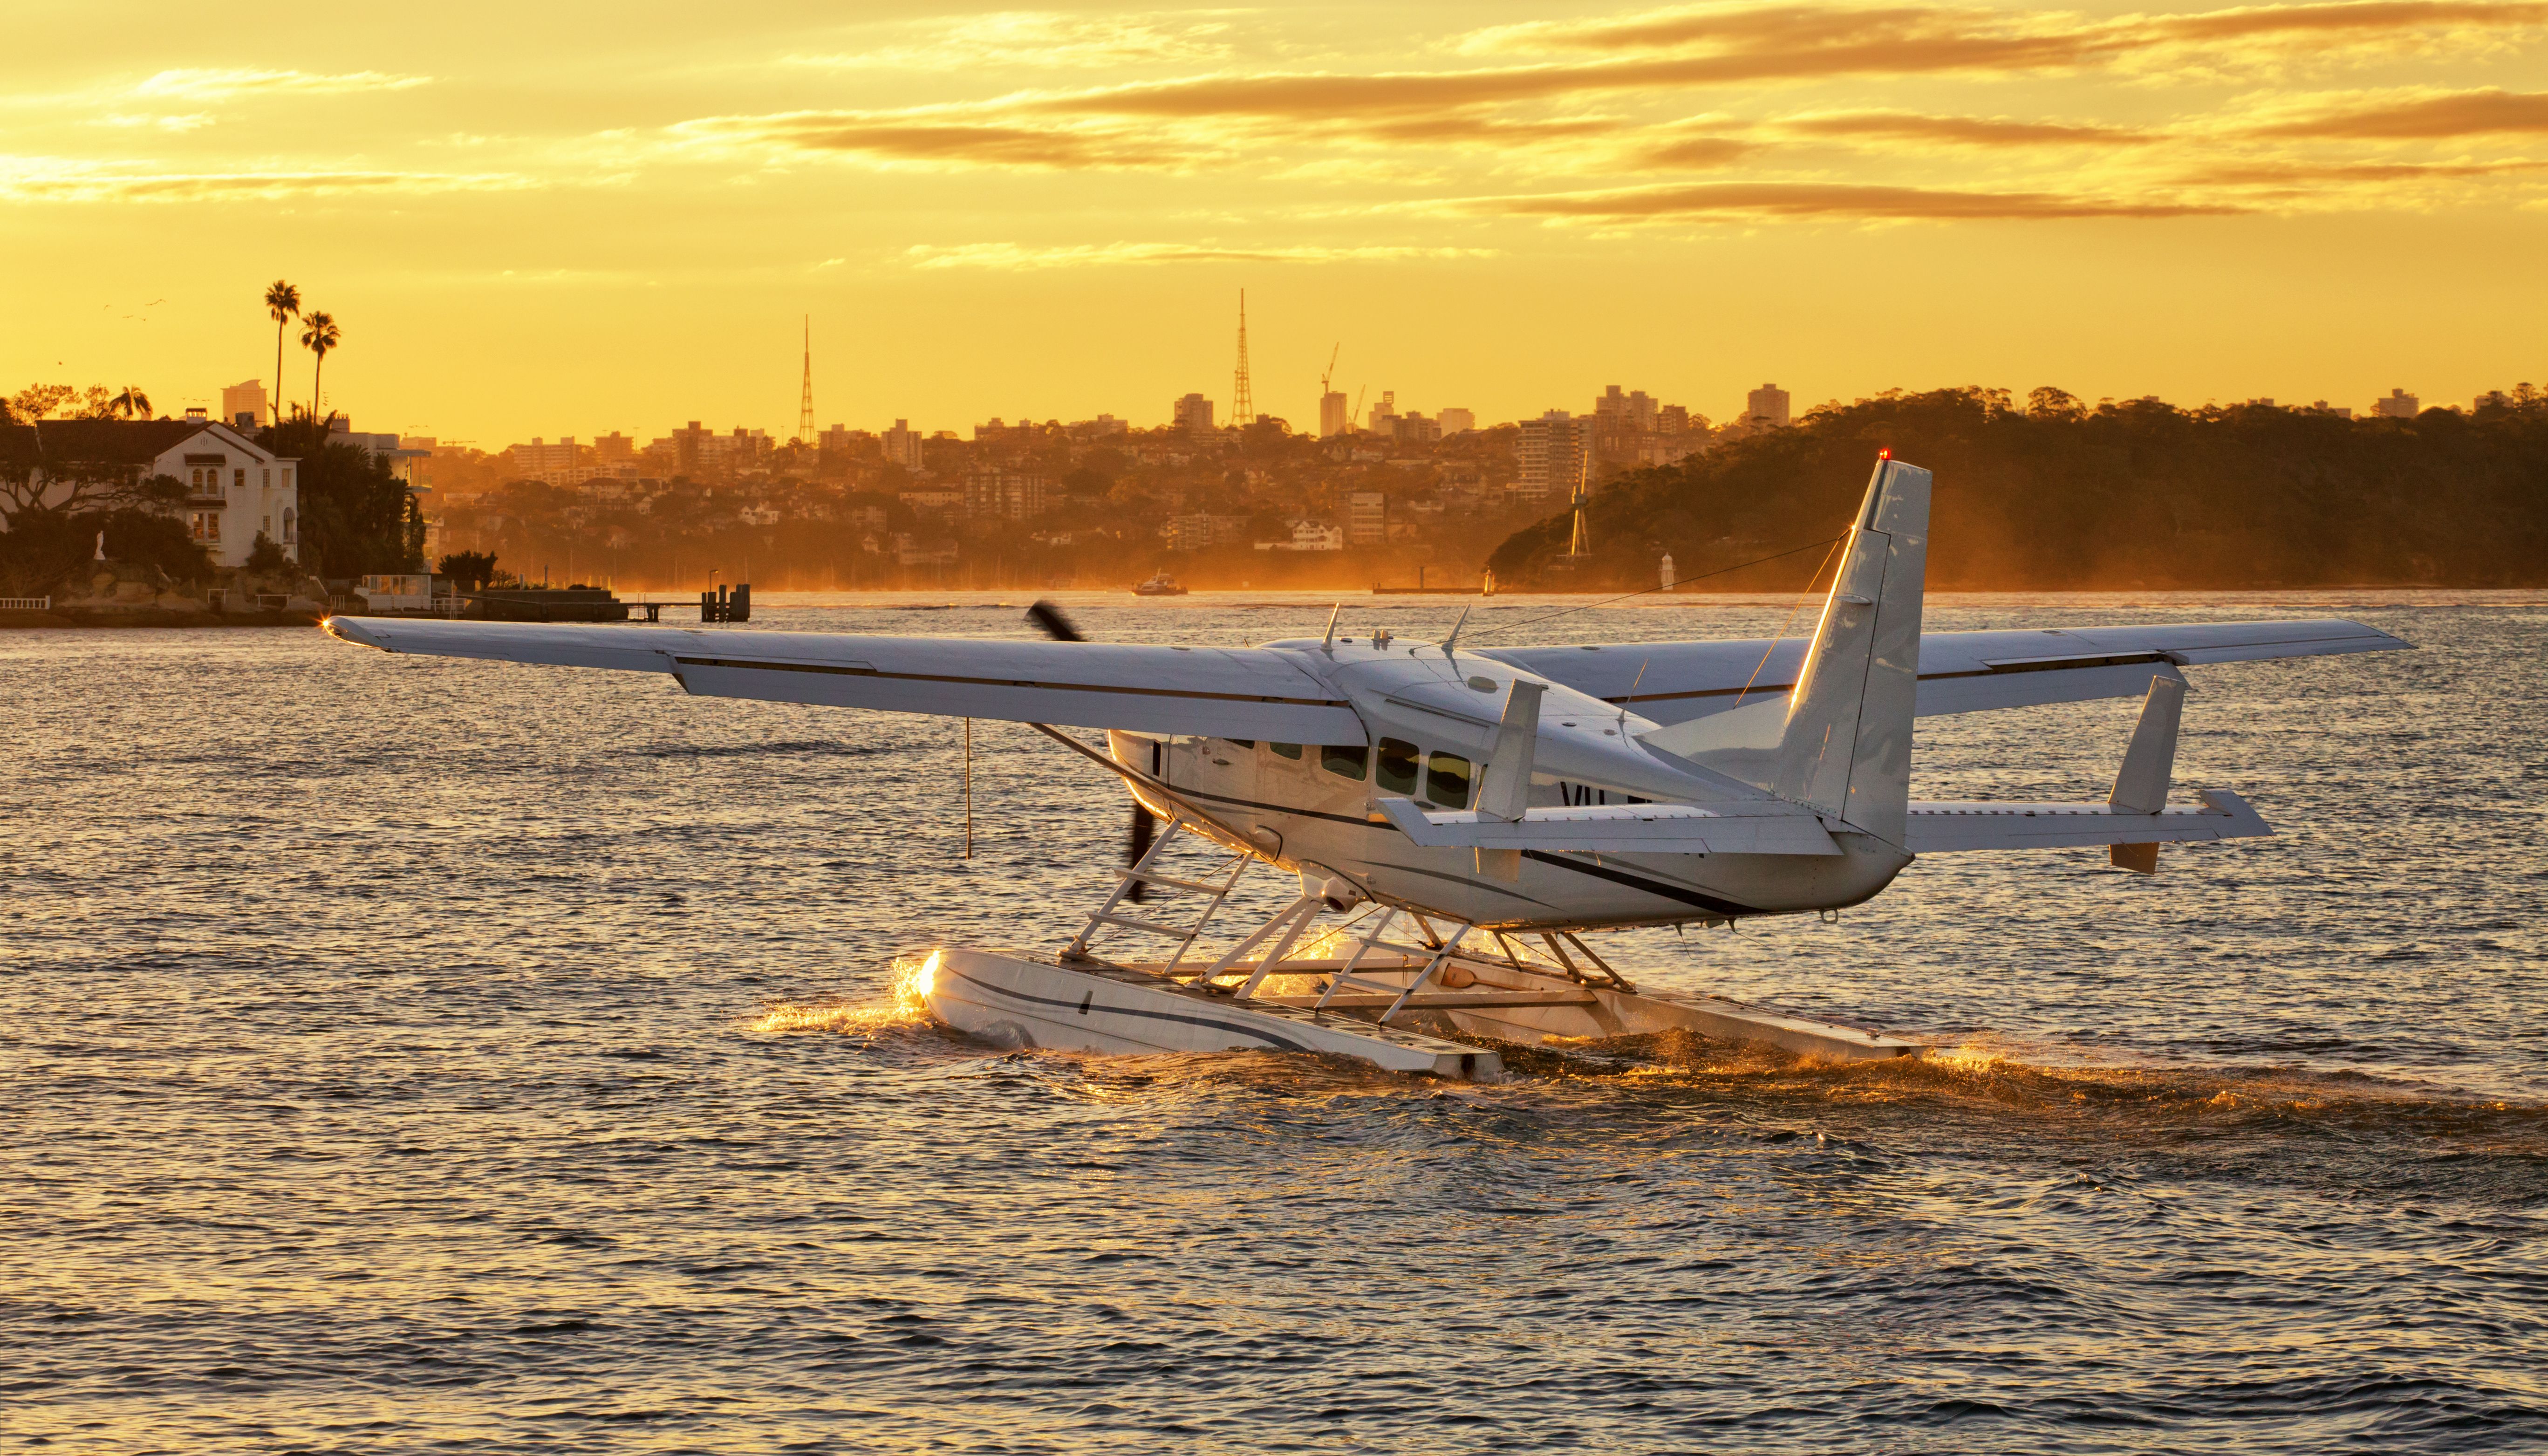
x,y
1327,645
1455,633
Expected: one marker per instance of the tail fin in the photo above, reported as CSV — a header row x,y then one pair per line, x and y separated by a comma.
x,y
1845,750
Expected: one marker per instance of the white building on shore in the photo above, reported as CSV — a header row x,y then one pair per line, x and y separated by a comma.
x,y
235,489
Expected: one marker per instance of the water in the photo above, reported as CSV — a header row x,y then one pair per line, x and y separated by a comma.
x,y
411,1054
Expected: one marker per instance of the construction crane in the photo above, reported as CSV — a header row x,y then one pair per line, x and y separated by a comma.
x,y
1324,389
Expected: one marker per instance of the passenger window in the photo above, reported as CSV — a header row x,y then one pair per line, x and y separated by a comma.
x,y
1285,750
1396,765
1242,742
1345,760
1446,780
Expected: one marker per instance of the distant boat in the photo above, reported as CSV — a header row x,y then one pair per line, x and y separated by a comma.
x,y
1161,584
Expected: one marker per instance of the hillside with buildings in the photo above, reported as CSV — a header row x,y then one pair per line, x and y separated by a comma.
x,y
1089,504
2055,494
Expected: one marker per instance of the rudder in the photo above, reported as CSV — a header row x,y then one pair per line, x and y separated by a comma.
x,y
1846,749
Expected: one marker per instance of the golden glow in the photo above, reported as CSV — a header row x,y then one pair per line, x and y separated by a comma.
x,y
916,979
2112,200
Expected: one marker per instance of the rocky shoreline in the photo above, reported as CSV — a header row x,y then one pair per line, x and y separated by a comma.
x,y
119,594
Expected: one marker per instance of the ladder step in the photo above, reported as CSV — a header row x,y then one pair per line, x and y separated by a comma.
x,y
1129,923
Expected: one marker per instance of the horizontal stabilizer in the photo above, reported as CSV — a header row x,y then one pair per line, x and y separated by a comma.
x,y
1942,828
1616,829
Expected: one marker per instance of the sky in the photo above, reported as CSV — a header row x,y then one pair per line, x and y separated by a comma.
x,y
530,222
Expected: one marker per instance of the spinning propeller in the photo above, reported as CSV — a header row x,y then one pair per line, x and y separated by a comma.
x,y
1050,620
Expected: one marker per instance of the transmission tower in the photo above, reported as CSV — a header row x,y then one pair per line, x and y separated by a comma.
x,y
1580,544
1242,405
805,401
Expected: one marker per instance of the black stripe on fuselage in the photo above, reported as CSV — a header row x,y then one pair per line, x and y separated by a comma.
x,y
1597,870
1074,1007
835,670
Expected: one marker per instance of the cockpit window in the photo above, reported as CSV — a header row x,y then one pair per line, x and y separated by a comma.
x,y
1446,780
1396,765
1285,750
1345,760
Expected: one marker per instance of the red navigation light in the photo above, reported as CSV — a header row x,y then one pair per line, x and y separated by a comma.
x,y
1884,454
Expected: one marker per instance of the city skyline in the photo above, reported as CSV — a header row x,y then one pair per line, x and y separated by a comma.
x,y
1052,211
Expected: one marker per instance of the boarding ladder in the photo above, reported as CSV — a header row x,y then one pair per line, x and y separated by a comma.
x,y
1145,874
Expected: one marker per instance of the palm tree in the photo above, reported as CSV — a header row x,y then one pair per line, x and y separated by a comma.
x,y
317,337
283,301
131,404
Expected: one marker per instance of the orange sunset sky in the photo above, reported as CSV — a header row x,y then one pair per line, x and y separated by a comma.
x,y
543,219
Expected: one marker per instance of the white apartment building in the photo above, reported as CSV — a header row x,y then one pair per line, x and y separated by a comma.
x,y
902,445
1455,419
1366,519
1556,454
1193,413
2399,406
1766,405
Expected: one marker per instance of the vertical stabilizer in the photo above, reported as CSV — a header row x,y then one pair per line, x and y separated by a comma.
x,y
1845,750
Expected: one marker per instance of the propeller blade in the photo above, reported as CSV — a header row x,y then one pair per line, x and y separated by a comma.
x,y
1136,846
1054,625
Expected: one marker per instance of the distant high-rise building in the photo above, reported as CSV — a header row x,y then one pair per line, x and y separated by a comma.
x,y
1556,454
1624,414
1193,414
245,398
1334,413
1416,430
1005,494
1455,419
2399,406
1366,519
1671,419
1383,421
614,448
689,443
902,445
1766,405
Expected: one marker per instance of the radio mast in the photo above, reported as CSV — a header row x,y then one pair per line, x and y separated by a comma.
x,y
1242,405
805,401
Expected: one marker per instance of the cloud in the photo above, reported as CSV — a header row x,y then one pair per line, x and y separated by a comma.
x,y
2431,116
1764,30
2305,175
1962,131
223,85
1818,200
1042,40
1693,152
63,180
1013,256
942,136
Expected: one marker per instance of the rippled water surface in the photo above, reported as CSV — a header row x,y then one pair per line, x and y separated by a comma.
x,y
406,1054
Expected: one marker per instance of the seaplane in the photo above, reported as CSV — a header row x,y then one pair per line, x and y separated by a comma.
x,y
1459,818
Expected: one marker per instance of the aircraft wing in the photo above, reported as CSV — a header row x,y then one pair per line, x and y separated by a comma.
x,y
1960,671
1226,692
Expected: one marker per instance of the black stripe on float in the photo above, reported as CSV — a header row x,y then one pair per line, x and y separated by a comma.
x,y
1268,1037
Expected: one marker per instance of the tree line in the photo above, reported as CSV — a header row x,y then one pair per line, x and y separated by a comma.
x,y
2059,496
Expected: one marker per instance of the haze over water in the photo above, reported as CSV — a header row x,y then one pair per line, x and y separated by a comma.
x,y
412,1055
